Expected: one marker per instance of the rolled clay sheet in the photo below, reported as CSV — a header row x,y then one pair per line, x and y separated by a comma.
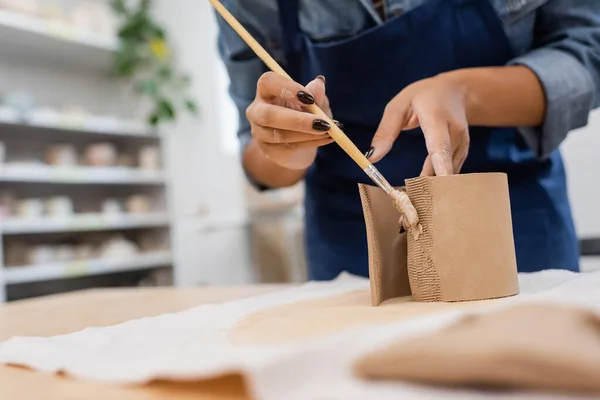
x,y
531,346
466,248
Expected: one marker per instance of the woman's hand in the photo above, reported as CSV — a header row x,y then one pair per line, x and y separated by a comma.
x,y
282,130
438,106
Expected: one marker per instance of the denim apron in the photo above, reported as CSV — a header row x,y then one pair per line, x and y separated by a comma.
x,y
364,72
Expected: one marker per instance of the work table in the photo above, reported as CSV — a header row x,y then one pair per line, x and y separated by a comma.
x,y
65,313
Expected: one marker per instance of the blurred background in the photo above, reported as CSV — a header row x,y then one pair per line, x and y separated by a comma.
x,y
119,159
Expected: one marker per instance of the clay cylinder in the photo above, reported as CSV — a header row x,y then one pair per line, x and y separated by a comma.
x,y
466,250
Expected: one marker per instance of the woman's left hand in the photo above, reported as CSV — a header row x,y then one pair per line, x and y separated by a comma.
x,y
437,105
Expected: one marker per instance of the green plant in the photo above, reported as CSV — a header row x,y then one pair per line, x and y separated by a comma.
x,y
145,58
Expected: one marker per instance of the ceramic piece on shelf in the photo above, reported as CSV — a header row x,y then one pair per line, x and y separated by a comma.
x,y
16,253
64,155
101,155
28,7
118,248
81,16
64,253
138,204
43,116
73,117
8,204
20,101
59,206
111,207
9,114
149,158
84,252
30,208
53,12
41,254
93,16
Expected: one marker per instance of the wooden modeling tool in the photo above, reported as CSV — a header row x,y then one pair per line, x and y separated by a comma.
x,y
400,198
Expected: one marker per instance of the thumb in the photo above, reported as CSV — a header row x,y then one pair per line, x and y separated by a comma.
x,y
389,129
317,88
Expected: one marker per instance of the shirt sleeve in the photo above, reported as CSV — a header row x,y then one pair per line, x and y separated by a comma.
x,y
243,66
566,60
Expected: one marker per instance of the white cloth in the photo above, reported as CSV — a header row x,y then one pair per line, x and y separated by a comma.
x,y
193,345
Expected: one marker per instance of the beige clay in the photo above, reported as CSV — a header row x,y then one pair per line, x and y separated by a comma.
x,y
528,346
316,318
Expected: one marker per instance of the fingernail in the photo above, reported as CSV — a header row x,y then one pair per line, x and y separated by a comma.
x,y
306,98
321,125
321,77
338,124
369,152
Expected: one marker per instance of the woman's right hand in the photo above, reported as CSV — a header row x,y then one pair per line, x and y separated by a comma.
x,y
282,129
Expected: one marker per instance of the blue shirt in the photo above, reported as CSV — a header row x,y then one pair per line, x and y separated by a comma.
x,y
559,40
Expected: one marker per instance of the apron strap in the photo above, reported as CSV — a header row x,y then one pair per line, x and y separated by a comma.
x,y
292,35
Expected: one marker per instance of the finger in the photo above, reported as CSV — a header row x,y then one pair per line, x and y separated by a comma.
x,y
412,123
282,152
295,156
327,107
460,155
437,139
301,145
285,119
459,129
273,86
278,136
389,128
317,88
427,168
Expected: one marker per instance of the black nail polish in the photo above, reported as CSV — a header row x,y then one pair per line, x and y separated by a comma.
x,y
321,77
369,152
306,98
321,125
338,124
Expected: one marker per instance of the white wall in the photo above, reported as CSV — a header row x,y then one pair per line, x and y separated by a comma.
x,y
205,177
581,151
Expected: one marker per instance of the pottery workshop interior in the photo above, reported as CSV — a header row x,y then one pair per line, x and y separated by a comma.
x,y
299,199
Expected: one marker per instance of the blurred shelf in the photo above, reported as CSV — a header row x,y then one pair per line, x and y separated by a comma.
x,y
38,38
79,126
79,175
82,223
73,269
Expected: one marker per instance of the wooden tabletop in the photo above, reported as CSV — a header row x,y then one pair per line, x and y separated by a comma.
x,y
71,312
